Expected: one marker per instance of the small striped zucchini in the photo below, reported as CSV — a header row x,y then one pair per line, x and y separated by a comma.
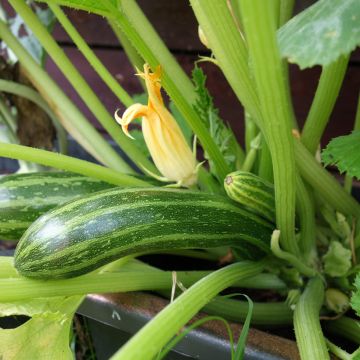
x,y
24,197
253,192
87,233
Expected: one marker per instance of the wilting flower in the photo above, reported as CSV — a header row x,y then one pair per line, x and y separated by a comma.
x,y
163,136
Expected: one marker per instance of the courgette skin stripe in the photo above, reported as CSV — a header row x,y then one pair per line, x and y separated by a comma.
x,y
92,231
25,197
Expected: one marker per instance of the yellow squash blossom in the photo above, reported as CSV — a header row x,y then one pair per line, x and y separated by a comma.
x,y
163,136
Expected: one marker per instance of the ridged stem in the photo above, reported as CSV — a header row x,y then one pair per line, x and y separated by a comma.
x,y
81,86
323,183
68,163
139,31
286,10
328,89
155,334
345,327
68,114
272,314
252,153
90,56
277,113
265,165
337,351
251,131
306,212
289,257
32,95
309,336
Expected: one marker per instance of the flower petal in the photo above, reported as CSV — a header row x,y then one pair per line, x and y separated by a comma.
x,y
133,112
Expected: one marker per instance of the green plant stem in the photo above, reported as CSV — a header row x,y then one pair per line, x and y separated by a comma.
x,y
32,95
69,115
259,281
139,31
337,351
286,10
306,212
8,121
274,314
21,288
331,79
7,267
323,183
265,165
309,336
290,258
68,163
90,56
251,131
345,327
252,154
277,114
81,86
155,334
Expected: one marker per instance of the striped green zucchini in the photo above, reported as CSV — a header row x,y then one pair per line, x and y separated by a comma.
x,y
24,197
253,192
87,233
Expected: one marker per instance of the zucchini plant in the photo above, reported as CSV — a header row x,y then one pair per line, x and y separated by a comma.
x,y
284,221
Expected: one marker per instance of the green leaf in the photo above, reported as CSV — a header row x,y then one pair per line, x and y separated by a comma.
x,y
355,299
46,335
343,152
209,114
92,6
337,260
321,33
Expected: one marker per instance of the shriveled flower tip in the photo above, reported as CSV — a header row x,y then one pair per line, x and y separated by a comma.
x,y
163,136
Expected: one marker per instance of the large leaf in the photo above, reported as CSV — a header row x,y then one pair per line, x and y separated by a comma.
x,y
46,335
92,6
321,33
344,152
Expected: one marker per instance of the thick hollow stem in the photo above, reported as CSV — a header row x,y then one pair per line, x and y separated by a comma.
x,y
345,327
153,336
306,212
277,114
323,183
272,314
331,79
309,336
